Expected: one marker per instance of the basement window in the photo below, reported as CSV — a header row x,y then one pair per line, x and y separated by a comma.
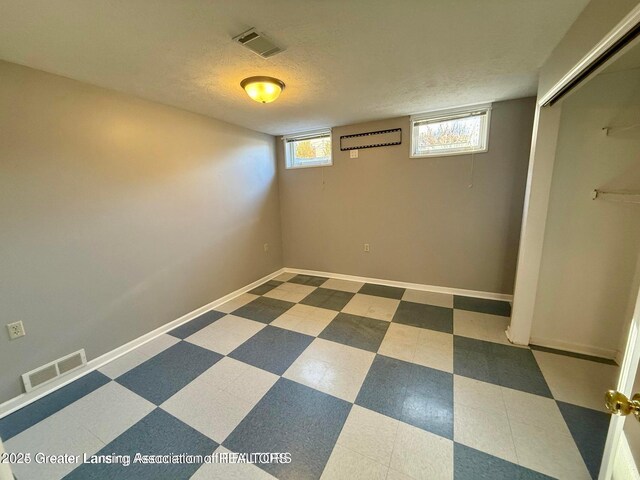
x,y
309,149
451,132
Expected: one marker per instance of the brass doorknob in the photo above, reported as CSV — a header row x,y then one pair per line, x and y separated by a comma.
x,y
618,404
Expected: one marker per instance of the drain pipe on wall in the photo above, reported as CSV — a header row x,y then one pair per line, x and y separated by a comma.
x,y
5,469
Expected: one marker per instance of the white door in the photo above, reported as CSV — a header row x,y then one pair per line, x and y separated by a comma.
x,y
628,371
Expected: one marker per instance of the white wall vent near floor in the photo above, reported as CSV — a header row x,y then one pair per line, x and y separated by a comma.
x,y
53,370
257,43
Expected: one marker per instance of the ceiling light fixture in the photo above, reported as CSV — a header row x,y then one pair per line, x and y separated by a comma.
x,y
263,89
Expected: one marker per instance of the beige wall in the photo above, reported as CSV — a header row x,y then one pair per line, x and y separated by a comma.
x,y
595,21
120,215
590,247
423,222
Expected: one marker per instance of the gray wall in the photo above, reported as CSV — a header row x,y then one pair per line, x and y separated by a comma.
x,y
590,247
423,221
120,215
593,23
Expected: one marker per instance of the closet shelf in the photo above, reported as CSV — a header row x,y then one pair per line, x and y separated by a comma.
x,y
619,196
621,128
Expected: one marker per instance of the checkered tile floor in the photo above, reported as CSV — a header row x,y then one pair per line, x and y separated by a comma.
x,y
354,380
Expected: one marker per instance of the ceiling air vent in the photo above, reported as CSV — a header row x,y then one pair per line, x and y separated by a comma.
x,y
53,370
257,43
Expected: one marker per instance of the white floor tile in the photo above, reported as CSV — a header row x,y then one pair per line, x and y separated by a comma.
x,y
321,376
235,303
484,430
216,401
553,453
307,311
305,319
419,345
290,292
343,285
541,437
332,368
434,350
226,334
225,372
55,435
139,355
240,379
534,410
481,326
356,360
422,455
252,384
477,394
395,475
372,306
108,411
429,298
123,364
157,345
230,471
222,414
285,277
400,341
577,381
370,434
345,464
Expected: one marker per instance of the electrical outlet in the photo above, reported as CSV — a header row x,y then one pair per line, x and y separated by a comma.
x,y
366,247
16,330
266,247
353,153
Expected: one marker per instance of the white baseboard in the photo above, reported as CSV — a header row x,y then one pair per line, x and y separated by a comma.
x,y
576,348
412,286
25,399
624,465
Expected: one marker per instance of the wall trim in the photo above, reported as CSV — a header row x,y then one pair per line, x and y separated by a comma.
x,y
413,286
577,348
624,465
25,399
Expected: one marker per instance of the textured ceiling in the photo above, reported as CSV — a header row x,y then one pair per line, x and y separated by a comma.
x,y
345,60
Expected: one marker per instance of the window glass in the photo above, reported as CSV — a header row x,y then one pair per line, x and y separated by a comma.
x,y
454,134
308,150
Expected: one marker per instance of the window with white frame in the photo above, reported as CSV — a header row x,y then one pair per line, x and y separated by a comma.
x,y
451,132
309,149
